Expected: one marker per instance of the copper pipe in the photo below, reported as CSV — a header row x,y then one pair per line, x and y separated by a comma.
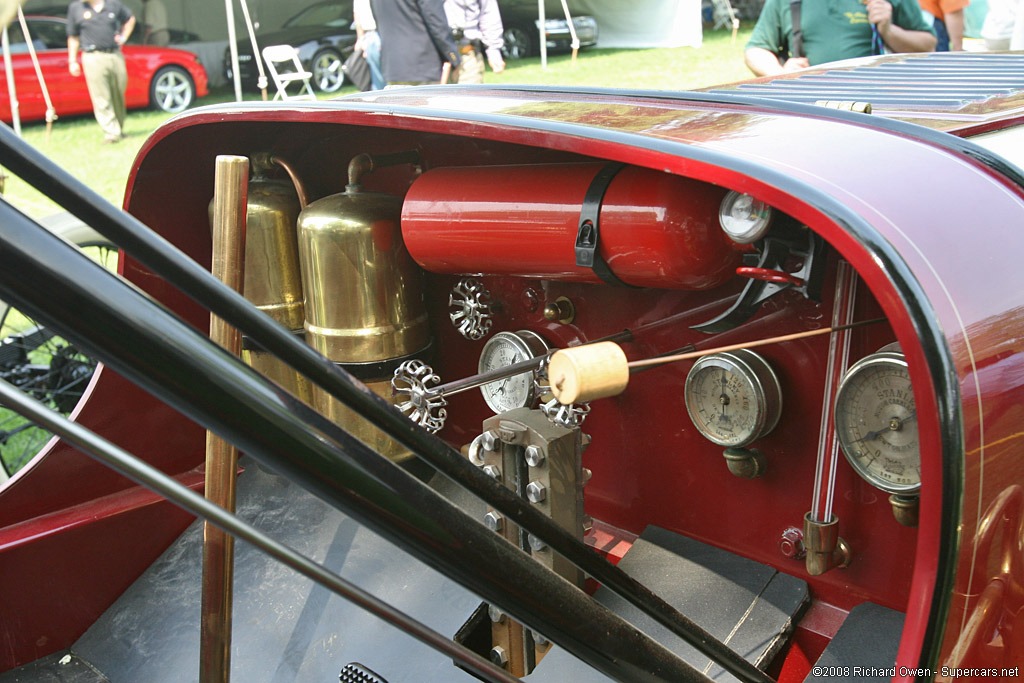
x,y
230,192
300,189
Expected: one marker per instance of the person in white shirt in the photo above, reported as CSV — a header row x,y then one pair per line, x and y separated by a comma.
x,y
477,28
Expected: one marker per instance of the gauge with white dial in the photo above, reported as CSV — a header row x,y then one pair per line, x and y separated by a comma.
x,y
876,422
733,397
504,349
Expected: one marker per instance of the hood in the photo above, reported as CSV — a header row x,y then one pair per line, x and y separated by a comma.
x,y
958,92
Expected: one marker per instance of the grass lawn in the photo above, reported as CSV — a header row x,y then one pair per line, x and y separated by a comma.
x,y
76,143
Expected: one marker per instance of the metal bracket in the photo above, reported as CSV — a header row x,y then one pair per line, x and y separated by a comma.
x,y
769,278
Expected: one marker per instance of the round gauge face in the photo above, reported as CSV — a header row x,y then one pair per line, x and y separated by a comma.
x,y
501,350
733,398
876,422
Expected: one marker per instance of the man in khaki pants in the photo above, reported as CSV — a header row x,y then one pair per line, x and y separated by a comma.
x,y
99,28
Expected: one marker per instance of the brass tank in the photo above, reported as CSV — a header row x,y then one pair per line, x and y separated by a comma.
x,y
364,302
272,279
272,282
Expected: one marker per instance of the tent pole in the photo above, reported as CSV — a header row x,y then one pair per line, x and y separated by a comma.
x,y
11,90
233,46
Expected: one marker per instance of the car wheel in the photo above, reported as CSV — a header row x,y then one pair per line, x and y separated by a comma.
x,y
45,366
327,73
518,43
172,90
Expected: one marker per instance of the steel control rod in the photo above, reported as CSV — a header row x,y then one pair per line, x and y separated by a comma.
x,y
166,260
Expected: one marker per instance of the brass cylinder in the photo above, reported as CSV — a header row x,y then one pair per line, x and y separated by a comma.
x,y
272,277
228,226
364,302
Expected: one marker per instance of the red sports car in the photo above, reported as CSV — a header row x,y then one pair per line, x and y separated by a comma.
x,y
161,77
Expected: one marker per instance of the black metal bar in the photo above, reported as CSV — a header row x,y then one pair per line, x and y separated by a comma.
x,y
167,261
146,475
66,291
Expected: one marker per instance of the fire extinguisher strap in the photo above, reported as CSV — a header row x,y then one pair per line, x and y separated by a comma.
x,y
588,236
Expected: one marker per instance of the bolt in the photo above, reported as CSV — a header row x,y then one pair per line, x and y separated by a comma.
x,y
489,440
588,523
539,639
536,492
498,656
587,475
791,543
494,521
495,614
536,543
534,456
492,471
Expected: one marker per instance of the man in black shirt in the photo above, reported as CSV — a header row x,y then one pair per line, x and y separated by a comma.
x,y
99,28
415,40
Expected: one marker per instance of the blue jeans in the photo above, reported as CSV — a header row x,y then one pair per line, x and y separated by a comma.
x,y
942,35
371,43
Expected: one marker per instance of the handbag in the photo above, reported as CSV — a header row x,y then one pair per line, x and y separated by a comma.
x,y
357,70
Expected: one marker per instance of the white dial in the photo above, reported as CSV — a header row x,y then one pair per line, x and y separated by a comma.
x,y
502,350
876,422
733,397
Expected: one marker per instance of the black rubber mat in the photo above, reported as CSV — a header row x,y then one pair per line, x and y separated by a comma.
x,y
749,606
863,649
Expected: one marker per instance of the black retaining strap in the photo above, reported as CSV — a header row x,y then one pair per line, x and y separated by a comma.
x,y
588,236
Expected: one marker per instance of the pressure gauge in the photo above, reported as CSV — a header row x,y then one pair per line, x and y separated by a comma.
x,y
876,422
743,218
501,350
733,397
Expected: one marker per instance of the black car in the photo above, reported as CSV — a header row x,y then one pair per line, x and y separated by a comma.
x,y
322,33
522,30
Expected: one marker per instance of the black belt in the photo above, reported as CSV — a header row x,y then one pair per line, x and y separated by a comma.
x,y
101,49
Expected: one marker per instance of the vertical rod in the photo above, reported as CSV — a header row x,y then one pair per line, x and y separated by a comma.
x,y
229,209
838,359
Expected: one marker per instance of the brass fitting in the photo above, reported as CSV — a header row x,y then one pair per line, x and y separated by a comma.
x,y
825,550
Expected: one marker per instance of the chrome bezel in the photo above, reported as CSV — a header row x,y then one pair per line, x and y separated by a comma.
x,y
526,344
757,228
889,356
758,375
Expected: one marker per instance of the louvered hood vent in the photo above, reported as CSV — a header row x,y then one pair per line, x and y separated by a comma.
x,y
936,82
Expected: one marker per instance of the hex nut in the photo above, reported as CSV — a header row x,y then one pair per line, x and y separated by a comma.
x,y
536,492
492,471
536,543
495,614
494,521
498,656
489,440
534,456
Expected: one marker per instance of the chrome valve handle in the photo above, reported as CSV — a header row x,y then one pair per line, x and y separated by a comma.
x,y
471,308
569,416
422,405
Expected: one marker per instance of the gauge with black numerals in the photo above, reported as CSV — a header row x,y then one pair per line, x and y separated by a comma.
x,y
504,349
733,397
876,422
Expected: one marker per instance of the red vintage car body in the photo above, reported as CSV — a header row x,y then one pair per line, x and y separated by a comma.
x,y
929,223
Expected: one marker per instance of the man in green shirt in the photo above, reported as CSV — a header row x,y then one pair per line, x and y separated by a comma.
x,y
833,30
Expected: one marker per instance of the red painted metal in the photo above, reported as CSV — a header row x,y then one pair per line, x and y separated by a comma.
x,y
650,466
656,230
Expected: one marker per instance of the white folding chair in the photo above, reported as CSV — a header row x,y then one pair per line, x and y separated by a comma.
x,y
286,55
